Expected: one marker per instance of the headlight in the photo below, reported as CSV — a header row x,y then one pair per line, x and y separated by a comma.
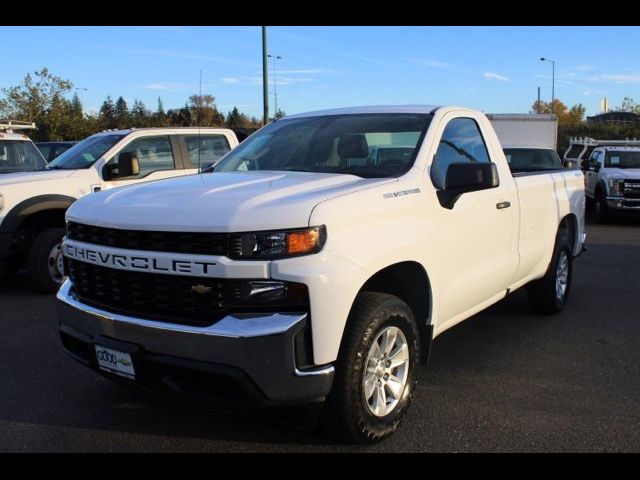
x,y
616,187
277,244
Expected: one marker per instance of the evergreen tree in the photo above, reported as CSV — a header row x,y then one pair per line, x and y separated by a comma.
x,y
121,113
108,114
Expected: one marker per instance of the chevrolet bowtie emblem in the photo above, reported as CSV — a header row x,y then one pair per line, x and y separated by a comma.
x,y
201,289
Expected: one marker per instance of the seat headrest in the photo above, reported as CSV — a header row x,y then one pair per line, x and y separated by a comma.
x,y
353,145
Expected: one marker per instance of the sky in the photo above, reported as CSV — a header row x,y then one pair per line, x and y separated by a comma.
x,y
494,69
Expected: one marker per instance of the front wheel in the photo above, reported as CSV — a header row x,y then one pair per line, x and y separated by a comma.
x,y
376,371
45,266
601,209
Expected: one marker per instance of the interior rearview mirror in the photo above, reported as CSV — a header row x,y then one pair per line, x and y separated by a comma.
x,y
467,177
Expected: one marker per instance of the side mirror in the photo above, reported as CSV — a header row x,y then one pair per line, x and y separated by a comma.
x,y
467,177
570,164
128,165
596,167
206,167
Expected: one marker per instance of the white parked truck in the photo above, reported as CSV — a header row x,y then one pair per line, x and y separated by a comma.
x,y
33,204
300,271
612,180
17,152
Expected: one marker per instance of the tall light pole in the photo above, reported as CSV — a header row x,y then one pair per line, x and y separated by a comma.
x,y
275,89
265,86
553,79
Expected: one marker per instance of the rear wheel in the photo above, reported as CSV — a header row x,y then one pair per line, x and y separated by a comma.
x,y
45,265
376,371
549,295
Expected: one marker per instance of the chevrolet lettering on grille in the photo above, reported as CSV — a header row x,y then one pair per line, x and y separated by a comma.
x,y
152,262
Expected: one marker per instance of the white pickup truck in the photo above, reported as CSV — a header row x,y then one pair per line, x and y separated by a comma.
x,y
300,270
612,180
33,203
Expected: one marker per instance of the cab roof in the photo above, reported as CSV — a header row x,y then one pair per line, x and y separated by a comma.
x,y
14,136
429,109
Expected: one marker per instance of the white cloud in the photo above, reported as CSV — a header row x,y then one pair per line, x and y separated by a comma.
x,y
616,78
429,62
307,71
166,86
495,76
582,68
230,80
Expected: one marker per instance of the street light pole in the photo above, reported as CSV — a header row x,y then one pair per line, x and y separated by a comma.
x,y
265,86
275,88
553,80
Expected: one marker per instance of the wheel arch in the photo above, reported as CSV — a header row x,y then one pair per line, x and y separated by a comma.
x,y
29,218
23,210
409,281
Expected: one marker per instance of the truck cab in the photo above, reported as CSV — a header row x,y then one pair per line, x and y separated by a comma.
x,y
17,152
612,180
33,204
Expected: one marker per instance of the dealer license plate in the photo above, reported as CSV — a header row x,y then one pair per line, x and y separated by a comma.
x,y
115,361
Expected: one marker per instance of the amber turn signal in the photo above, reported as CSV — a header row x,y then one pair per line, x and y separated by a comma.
x,y
303,241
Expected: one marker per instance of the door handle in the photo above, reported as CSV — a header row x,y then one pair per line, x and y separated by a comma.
x,y
502,205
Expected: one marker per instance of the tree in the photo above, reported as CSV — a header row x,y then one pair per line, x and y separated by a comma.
x,y
204,111
108,114
40,99
279,114
566,116
160,117
235,119
121,113
628,105
138,117
76,107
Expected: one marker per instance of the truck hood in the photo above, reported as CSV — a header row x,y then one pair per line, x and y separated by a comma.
x,y
221,202
622,173
37,176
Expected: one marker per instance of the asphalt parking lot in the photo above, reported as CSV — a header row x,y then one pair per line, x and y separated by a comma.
x,y
505,380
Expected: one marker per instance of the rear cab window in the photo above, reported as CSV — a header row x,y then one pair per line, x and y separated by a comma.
x,y
205,150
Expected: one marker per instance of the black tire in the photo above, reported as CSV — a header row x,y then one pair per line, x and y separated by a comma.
x,y
346,414
38,261
544,297
600,208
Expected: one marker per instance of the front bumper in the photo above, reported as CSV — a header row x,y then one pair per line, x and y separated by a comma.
x,y
243,358
620,203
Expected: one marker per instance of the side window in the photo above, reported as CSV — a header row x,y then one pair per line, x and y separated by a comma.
x,y
595,160
206,149
153,153
461,142
45,150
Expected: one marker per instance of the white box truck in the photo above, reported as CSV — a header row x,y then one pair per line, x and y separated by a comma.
x,y
529,140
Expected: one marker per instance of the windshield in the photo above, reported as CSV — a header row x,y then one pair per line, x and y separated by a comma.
x,y
19,156
85,153
366,145
532,159
622,159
